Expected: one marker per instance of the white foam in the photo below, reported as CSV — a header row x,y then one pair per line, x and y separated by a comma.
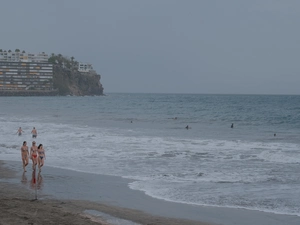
x,y
171,168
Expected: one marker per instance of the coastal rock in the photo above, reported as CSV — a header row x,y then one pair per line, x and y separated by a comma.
x,y
72,82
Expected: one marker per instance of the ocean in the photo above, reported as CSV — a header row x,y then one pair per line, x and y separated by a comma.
x,y
143,137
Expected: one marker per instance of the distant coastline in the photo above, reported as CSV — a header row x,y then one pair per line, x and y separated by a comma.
x,y
29,93
27,74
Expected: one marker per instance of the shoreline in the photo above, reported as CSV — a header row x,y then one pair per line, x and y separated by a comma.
x,y
17,198
111,195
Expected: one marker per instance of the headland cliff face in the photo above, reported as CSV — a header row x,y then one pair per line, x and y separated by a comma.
x,y
72,82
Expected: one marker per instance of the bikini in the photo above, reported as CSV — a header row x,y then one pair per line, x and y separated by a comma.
x,y
24,151
34,155
41,157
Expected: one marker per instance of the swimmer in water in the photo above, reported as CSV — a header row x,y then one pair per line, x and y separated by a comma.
x,y
34,133
20,131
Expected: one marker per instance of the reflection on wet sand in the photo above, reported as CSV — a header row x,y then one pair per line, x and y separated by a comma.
x,y
33,180
24,178
36,181
40,181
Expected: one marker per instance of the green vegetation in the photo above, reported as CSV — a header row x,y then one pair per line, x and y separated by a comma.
x,y
17,50
63,61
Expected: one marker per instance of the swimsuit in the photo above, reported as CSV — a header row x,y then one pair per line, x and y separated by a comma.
x,y
41,153
34,156
34,135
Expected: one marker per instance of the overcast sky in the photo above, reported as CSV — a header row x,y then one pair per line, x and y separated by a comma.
x,y
166,46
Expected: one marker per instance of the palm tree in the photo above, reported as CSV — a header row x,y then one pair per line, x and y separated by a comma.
x,y
17,50
72,61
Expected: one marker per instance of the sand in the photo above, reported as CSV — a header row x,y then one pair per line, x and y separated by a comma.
x,y
66,196
18,206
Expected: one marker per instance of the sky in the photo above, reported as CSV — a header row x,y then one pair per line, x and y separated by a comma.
x,y
166,46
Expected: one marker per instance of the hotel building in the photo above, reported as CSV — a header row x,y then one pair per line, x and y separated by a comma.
x,y
20,71
85,67
23,57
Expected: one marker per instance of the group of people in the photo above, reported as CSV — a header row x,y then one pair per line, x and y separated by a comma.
x,y
33,132
36,154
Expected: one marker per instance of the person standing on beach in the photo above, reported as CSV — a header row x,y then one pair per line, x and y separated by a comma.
x,y
25,155
42,157
34,155
34,133
20,131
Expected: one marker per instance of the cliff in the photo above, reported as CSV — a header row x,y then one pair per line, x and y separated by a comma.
x,y
72,82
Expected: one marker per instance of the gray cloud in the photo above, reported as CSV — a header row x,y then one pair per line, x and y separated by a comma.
x,y
166,46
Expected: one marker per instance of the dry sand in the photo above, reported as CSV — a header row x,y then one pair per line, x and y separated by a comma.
x,y
17,207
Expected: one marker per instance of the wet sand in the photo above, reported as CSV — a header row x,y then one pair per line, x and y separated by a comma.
x,y
64,197
18,204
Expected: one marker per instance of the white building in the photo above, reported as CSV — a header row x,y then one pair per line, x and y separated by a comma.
x,y
85,67
23,57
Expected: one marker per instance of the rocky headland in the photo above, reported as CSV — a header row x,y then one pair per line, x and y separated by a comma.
x,y
67,80
66,76
72,82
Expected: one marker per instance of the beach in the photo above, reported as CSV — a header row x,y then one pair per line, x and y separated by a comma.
x,y
152,170
19,206
68,197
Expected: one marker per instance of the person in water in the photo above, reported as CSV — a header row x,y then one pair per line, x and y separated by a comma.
x,y
20,131
25,155
41,156
34,155
34,133
187,127
232,125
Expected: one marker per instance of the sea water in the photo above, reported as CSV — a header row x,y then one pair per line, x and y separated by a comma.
x,y
143,137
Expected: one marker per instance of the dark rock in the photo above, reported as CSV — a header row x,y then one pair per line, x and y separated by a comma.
x,y
73,82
